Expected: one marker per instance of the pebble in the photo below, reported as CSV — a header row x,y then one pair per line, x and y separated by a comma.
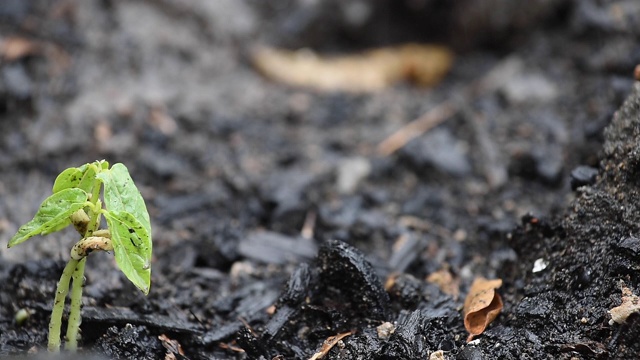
x,y
351,172
631,247
529,88
583,175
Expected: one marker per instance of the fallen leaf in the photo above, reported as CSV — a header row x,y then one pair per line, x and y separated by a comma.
x,y
330,342
482,305
630,304
373,70
445,282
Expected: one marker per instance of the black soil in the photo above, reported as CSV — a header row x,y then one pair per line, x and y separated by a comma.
x,y
259,251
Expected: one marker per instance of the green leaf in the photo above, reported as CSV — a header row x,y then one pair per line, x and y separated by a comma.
x,y
121,194
70,178
82,177
88,178
132,247
53,214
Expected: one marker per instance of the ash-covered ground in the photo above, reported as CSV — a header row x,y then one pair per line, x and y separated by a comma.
x,y
277,224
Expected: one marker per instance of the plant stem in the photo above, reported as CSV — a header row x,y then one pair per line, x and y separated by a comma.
x,y
76,305
75,316
75,269
58,306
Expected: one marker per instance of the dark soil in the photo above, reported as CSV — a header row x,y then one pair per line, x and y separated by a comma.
x,y
540,168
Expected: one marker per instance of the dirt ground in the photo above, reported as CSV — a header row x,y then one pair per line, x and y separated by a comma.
x,y
277,224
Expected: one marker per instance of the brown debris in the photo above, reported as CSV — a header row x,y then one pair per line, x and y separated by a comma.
x,y
373,70
630,304
412,130
390,281
162,121
173,347
482,305
309,225
231,347
446,282
14,48
328,344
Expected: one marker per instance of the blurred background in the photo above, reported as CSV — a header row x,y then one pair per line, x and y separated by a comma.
x,y
256,130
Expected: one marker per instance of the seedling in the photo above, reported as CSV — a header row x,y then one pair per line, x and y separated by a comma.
x,y
76,201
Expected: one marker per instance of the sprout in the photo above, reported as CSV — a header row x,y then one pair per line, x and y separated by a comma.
x,y
76,201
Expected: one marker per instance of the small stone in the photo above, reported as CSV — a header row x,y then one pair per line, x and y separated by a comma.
x,y
351,172
385,330
539,265
582,176
527,88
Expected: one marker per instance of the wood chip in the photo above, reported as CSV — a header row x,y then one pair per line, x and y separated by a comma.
x,y
482,305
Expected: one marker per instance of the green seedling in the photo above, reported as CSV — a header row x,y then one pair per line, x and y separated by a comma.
x,y
76,201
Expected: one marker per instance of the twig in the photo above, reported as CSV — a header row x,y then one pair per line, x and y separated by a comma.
x,y
412,130
496,77
309,225
330,342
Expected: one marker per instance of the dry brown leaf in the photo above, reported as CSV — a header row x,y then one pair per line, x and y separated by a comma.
x,y
366,72
328,344
445,282
482,305
14,48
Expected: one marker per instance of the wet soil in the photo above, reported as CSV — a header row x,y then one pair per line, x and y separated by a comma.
x,y
276,225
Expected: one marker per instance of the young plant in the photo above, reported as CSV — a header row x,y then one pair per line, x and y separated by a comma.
x,y
76,201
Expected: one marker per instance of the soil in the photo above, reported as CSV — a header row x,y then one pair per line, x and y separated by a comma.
x,y
260,249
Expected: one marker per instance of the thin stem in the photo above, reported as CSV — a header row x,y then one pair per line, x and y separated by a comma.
x,y
94,220
95,194
75,316
75,269
58,306
76,304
